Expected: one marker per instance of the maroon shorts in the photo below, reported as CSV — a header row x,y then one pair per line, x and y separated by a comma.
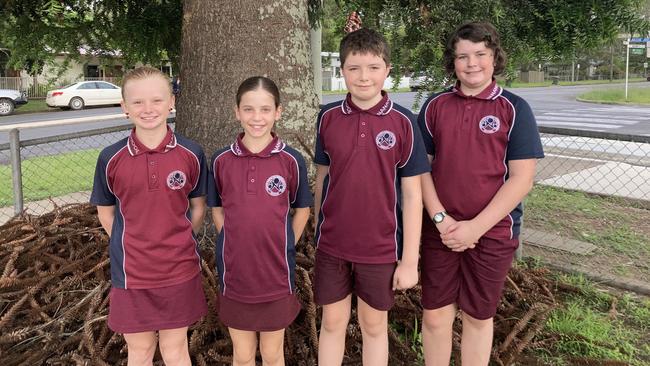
x,y
336,278
144,310
473,279
259,317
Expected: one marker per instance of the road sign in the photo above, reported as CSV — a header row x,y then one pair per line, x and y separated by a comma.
x,y
637,51
639,39
636,45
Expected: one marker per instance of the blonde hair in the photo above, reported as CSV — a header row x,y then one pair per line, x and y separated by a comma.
x,y
143,72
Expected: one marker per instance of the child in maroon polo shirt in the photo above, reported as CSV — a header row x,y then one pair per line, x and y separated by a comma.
x,y
254,184
483,144
369,157
150,194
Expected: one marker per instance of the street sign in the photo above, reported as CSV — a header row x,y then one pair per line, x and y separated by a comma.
x,y
637,51
645,65
639,39
636,45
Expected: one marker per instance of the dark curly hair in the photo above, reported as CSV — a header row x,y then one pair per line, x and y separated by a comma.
x,y
364,40
476,32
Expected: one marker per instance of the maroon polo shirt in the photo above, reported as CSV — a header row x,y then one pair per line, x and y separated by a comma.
x,y
472,139
255,250
367,152
152,244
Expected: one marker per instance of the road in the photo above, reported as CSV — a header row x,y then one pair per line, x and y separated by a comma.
x,y
557,106
553,106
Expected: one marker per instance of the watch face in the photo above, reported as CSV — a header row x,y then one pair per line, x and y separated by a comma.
x,y
437,218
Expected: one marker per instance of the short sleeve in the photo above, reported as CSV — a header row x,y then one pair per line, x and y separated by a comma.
x,y
302,196
416,162
427,137
102,194
524,141
202,184
320,157
214,196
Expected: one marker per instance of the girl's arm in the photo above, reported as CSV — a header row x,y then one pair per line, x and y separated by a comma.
x,y
217,217
106,215
300,217
197,212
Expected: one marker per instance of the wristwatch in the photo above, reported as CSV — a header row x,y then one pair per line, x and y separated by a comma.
x,y
439,217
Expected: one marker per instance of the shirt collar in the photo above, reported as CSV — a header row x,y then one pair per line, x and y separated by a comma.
x,y
491,92
275,146
382,108
136,147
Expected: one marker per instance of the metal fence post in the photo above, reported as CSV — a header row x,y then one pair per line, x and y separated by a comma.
x,y
16,171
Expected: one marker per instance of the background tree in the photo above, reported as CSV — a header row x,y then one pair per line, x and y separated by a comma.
x,y
223,43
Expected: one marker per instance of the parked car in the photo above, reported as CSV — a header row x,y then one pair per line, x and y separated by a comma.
x,y
10,99
84,93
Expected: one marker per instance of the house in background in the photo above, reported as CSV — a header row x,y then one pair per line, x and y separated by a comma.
x,y
64,70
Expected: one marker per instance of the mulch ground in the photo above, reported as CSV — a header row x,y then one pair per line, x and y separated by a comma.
x,y
54,303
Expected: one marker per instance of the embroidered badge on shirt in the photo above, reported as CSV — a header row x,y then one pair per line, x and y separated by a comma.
x,y
489,124
275,185
176,180
385,140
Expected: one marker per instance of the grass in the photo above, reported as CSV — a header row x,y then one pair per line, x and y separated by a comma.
x,y
635,96
51,176
35,106
602,221
597,324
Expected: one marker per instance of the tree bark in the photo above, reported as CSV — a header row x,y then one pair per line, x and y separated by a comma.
x,y
225,42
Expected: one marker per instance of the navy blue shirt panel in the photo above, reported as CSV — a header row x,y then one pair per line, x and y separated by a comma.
x,y
101,194
201,188
302,197
524,141
214,197
417,163
320,157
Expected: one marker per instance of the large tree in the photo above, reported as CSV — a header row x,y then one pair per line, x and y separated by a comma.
x,y
223,43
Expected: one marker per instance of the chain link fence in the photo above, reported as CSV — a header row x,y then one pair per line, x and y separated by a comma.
x,y
590,203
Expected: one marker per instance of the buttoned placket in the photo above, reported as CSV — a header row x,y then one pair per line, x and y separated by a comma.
x,y
467,113
152,171
364,131
251,175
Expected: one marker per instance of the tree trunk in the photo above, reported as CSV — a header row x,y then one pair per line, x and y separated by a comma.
x,y
225,42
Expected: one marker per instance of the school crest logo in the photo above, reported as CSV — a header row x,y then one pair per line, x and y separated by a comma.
x,y
489,124
176,180
275,185
385,140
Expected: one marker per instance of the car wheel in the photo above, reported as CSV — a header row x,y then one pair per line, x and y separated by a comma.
x,y
6,107
76,103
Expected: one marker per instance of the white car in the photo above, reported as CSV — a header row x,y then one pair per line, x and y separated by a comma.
x,y
9,100
84,93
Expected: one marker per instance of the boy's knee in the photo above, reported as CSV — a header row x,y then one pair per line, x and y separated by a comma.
x,y
470,321
375,324
439,319
335,322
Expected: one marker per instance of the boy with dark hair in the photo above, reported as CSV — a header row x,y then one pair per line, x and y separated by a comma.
x,y
369,157
483,145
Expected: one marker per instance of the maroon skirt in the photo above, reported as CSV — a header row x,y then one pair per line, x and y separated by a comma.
x,y
260,317
145,310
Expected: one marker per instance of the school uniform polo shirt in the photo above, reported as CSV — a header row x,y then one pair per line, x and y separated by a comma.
x,y
256,247
472,139
152,244
368,152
